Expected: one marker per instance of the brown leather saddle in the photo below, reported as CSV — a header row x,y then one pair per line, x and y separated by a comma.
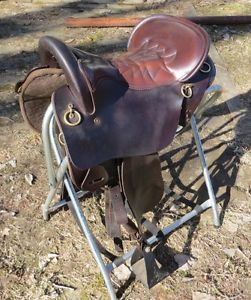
x,y
114,116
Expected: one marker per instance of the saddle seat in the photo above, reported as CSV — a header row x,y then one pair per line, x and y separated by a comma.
x,y
162,50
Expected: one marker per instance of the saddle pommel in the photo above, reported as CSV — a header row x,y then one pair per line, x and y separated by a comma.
x,y
55,53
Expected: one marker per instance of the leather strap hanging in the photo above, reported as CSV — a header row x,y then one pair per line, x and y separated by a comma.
x,y
115,215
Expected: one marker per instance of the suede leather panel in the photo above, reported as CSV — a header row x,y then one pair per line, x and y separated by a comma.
x,y
129,123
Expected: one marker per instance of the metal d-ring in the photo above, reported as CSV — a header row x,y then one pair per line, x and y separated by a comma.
x,y
207,68
61,139
70,115
186,90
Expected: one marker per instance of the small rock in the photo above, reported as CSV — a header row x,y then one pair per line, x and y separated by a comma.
x,y
92,218
239,41
6,231
187,279
29,178
31,280
230,252
184,261
226,37
122,273
52,255
13,163
18,197
174,208
11,213
69,41
63,286
202,296
43,262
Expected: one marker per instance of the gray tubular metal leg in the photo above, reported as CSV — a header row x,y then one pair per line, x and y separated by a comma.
x,y
85,228
53,188
210,203
47,145
205,171
55,178
169,229
53,182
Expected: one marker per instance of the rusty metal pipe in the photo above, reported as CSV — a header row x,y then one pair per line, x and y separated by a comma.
x,y
132,21
102,22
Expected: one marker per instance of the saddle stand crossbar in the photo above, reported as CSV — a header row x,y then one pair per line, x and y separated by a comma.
x,y
58,175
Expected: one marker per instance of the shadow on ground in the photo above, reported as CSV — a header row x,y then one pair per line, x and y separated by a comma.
x,y
223,170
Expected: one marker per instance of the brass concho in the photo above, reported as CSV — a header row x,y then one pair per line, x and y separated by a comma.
x,y
186,90
206,68
71,116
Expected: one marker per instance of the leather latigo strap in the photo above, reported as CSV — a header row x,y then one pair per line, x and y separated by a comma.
x,y
89,179
115,215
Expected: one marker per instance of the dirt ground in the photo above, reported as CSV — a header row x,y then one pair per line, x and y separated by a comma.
x,y
51,260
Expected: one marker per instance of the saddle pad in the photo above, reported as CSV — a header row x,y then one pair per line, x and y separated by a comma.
x,y
161,50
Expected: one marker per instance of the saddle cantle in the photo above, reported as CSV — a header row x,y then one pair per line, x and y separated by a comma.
x,y
114,116
161,50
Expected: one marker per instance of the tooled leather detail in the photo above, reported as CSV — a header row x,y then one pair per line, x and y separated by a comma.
x,y
148,65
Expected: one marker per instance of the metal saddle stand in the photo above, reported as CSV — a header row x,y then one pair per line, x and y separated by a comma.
x,y
144,267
